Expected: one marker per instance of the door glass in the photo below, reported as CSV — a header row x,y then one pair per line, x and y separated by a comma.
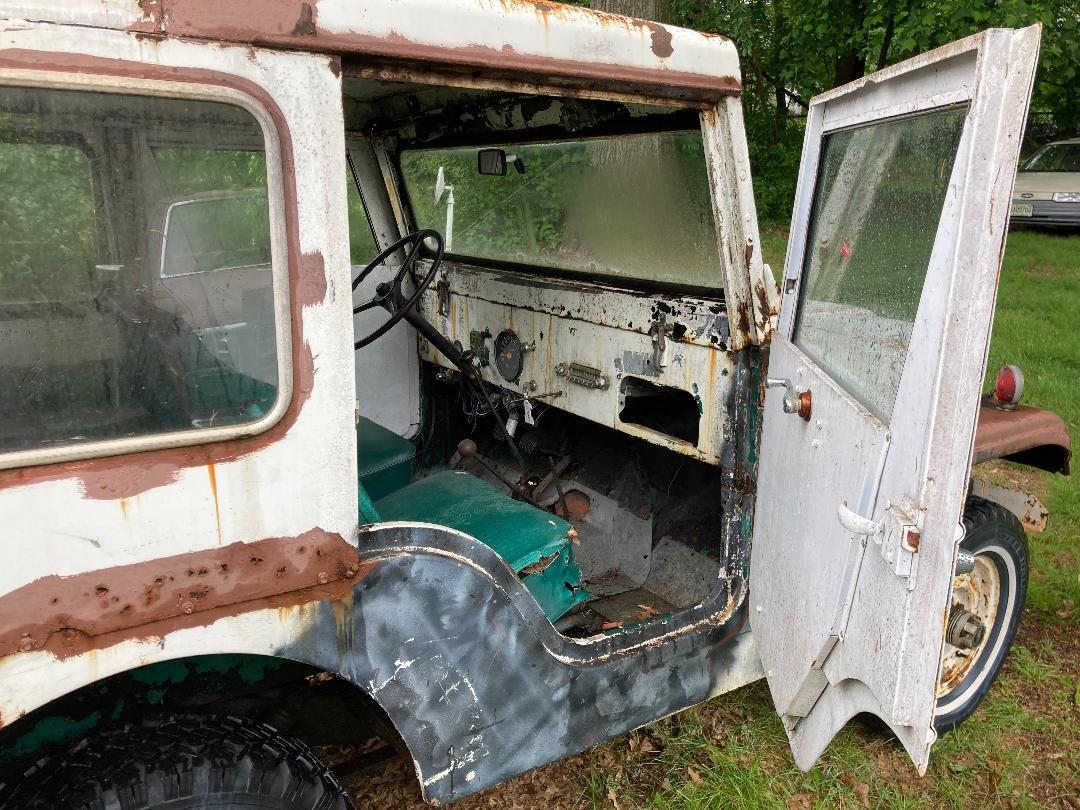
x,y
879,196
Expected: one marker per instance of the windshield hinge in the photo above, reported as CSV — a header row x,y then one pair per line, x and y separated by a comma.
x,y
658,332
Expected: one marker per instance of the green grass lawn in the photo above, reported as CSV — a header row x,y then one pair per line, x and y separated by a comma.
x,y
1021,749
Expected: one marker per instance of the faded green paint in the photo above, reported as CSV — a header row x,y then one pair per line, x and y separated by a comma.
x,y
518,532
251,669
163,672
49,731
56,730
384,460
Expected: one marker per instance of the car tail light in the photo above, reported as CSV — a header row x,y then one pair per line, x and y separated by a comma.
x,y
1009,386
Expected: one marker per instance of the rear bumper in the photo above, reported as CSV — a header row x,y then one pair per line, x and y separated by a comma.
x,y
1049,214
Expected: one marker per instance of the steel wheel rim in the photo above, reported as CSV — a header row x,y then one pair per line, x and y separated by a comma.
x,y
980,593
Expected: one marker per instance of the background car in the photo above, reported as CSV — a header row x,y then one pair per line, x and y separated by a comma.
x,y
1047,191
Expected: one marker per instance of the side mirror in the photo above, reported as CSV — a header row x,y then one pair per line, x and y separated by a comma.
x,y
494,161
491,161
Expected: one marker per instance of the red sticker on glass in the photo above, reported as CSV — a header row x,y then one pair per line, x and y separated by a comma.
x,y
845,249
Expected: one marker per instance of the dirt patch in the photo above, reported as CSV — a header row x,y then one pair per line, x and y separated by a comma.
x,y
1043,272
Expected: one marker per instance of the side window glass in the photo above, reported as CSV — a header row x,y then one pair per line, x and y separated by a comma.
x,y
880,193
136,281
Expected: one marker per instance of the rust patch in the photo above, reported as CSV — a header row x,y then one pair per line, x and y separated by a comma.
x,y
305,24
743,320
212,475
96,609
763,301
1040,435
310,282
540,565
286,23
130,475
229,21
660,39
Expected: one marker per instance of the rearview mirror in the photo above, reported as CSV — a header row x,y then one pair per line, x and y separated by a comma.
x,y
493,162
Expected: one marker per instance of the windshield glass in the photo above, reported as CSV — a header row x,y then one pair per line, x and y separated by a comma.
x,y
629,207
1056,157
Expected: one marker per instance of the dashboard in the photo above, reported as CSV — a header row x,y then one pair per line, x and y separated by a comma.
x,y
655,366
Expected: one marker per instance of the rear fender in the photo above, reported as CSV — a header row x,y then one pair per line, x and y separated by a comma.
x,y
1032,436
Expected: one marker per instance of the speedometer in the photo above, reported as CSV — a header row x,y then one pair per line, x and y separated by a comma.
x,y
509,355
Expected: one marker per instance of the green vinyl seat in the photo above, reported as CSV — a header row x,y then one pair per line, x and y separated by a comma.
x,y
536,544
384,460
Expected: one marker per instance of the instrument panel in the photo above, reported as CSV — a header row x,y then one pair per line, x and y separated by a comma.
x,y
653,366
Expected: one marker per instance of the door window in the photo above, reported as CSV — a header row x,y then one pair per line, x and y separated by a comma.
x,y
880,193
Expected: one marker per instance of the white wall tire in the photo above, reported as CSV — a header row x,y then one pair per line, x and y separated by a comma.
x,y
995,591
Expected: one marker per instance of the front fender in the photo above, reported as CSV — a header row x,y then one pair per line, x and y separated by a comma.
x,y
479,684
449,643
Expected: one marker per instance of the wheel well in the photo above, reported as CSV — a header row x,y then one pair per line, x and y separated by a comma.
x,y
298,699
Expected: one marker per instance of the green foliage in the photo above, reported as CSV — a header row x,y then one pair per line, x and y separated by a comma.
x,y
48,239
635,206
792,51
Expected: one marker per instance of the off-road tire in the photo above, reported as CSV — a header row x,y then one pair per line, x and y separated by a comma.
x,y
180,763
997,539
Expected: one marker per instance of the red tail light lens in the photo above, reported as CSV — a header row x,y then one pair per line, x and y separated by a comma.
x,y
1009,386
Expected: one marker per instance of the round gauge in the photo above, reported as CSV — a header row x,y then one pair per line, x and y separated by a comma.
x,y
509,356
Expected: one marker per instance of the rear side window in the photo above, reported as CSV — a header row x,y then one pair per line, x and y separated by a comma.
x,y
136,268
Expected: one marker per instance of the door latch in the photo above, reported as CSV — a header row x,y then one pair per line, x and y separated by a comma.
x,y
798,402
896,535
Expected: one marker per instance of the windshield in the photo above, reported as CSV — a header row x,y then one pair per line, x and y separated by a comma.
x,y
630,207
1055,157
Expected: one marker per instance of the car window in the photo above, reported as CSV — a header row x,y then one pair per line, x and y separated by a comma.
x,y
1056,157
115,206
880,192
630,207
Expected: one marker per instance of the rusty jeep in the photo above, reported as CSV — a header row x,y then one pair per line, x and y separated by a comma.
x,y
411,372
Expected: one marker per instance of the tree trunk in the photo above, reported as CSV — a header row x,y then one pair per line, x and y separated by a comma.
x,y
655,10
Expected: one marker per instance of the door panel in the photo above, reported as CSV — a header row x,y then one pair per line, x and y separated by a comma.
x,y
874,380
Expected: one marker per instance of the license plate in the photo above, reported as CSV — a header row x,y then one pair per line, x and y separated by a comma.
x,y
1021,209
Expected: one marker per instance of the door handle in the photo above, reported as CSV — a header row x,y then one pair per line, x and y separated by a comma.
x,y
797,402
856,523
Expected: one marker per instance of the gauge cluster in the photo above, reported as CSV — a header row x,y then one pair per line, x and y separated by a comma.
x,y
621,359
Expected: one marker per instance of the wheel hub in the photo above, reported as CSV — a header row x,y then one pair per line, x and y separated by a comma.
x,y
976,599
965,630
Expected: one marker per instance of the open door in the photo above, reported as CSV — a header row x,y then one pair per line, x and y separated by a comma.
x,y
874,381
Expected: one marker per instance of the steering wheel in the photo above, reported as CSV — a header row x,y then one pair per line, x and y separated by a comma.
x,y
389,294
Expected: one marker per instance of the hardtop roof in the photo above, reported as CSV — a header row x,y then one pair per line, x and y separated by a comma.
x,y
547,43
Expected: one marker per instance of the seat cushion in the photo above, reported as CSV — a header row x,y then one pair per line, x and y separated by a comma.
x,y
383,459
535,544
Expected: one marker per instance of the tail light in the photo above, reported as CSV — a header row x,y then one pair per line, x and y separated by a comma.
x,y
1009,387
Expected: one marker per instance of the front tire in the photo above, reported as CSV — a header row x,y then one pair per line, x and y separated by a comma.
x,y
181,763
994,592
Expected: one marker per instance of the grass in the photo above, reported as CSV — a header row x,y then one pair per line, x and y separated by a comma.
x,y
1021,749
